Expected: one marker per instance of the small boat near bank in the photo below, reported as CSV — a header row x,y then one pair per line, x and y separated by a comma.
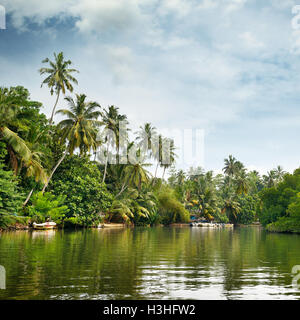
x,y
44,226
211,225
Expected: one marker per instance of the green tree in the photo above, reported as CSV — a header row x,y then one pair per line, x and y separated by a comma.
x,y
59,77
79,130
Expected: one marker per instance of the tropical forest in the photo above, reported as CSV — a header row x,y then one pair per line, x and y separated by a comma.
x,y
50,169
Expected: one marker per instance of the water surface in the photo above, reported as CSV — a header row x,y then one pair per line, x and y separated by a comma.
x,y
149,263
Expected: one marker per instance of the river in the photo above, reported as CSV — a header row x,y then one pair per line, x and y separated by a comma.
x,y
149,263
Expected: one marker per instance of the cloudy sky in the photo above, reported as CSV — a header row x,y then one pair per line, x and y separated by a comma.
x,y
228,67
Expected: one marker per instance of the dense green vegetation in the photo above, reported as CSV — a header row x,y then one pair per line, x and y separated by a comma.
x,y
281,204
85,169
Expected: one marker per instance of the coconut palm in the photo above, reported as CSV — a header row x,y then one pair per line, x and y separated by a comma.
x,y
111,120
18,150
79,130
135,175
168,155
279,172
231,208
157,149
145,136
270,179
231,166
59,78
242,182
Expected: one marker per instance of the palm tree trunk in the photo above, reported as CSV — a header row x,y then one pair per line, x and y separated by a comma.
x,y
106,160
163,173
28,198
54,169
156,169
53,110
124,187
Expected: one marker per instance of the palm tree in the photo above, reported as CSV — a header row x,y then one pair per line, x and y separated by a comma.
x,y
79,129
135,175
232,209
270,179
279,172
111,120
10,102
169,154
231,166
157,148
145,136
242,182
16,146
59,78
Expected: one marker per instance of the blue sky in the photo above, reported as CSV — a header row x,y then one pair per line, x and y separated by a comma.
x,y
229,67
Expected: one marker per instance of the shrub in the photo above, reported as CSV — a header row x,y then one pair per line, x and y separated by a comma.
x,y
10,198
79,180
47,206
170,209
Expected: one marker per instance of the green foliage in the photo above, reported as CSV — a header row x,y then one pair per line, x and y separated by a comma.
x,y
135,207
79,180
10,198
277,199
170,209
248,209
47,207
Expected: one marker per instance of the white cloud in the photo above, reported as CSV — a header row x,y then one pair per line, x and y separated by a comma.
x,y
250,40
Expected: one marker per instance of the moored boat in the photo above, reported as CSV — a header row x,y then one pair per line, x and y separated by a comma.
x,y
44,226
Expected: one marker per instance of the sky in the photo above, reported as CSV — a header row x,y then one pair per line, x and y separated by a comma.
x,y
229,68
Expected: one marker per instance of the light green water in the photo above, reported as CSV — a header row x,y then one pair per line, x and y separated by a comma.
x,y
149,263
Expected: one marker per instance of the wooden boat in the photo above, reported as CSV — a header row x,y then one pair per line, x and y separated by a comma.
x,y
44,226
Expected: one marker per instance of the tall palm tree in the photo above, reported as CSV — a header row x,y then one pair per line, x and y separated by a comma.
x,y
145,136
279,172
157,148
231,166
170,155
270,179
59,78
79,130
242,182
111,120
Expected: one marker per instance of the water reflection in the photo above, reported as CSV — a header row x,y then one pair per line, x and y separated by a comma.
x,y
149,263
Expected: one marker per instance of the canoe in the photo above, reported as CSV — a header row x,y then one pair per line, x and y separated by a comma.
x,y
44,226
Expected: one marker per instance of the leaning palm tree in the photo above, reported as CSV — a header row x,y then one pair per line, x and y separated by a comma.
x,y
79,130
10,102
59,78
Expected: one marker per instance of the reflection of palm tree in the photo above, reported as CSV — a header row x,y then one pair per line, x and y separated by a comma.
x,y
79,129
59,77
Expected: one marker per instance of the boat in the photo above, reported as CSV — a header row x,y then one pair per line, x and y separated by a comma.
x,y
44,226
